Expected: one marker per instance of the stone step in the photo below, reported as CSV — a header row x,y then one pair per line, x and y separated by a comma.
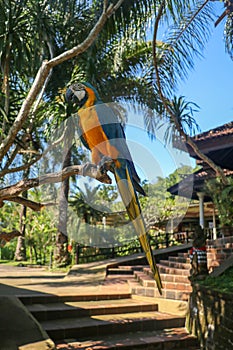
x,y
28,299
88,327
179,259
147,281
176,265
173,338
122,277
119,271
217,256
152,292
49,311
220,250
124,269
183,255
173,271
174,278
127,269
227,245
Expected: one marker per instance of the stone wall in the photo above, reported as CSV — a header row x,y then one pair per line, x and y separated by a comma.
x,y
210,318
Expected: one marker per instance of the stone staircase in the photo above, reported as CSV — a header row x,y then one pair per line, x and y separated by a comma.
x,y
218,251
118,321
174,272
132,317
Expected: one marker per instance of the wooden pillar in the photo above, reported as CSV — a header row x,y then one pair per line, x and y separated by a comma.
x,y
201,196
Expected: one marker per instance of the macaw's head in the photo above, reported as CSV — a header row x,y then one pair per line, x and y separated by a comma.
x,y
76,94
79,93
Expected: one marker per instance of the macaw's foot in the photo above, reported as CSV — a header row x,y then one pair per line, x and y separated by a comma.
x,y
90,169
106,164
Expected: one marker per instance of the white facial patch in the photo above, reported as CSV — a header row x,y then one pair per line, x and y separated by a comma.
x,y
80,94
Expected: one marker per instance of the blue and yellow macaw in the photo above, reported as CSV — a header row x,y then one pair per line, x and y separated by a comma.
x,y
103,134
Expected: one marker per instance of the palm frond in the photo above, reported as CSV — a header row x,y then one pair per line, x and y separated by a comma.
x,y
183,112
185,40
228,35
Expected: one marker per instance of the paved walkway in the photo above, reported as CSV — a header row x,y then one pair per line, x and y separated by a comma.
x,y
88,279
18,330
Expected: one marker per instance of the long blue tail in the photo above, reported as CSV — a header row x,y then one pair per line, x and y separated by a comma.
x,y
131,202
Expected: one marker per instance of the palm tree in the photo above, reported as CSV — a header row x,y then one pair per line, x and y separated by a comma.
x,y
188,32
113,63
83,203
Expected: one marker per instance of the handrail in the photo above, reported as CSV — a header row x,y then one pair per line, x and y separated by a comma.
x,y
85,253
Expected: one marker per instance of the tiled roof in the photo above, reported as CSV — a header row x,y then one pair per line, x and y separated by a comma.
x,y
196,180
223,130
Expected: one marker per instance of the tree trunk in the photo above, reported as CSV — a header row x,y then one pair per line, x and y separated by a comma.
x,y
20,252
62,255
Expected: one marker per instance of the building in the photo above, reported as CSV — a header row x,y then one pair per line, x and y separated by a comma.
x,y
217,144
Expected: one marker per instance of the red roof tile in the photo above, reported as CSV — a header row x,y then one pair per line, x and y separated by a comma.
x,y
223,130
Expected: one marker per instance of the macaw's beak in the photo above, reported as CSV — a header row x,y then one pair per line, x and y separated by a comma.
x,y
70,97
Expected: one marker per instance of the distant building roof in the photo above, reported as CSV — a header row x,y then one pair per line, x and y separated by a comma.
x,y
219,132
216,143
196,180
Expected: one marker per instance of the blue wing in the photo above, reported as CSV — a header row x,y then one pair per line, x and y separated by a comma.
x,y
114,131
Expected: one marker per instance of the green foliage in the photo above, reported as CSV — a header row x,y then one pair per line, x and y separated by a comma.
x,y
222,196
9,217
188,26
40,230
107,194
83,202
40,233
160,206
8,250
222,284
183,112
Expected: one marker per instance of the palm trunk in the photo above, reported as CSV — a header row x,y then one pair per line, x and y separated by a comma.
x,y
20,252
5,88
62,256
61,251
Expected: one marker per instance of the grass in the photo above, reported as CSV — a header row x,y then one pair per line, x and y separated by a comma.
x,y
223,283
13,263
26,263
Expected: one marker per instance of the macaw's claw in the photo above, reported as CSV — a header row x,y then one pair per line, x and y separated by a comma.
x,y
90,169
106,164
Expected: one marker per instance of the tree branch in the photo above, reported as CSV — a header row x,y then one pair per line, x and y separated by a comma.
x,y
12,193
30,204
7,236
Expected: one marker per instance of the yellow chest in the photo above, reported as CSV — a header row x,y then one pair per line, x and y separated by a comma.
x,y
91,127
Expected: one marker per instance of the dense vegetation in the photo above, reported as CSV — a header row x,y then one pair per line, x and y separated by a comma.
x,y
222,284
46,45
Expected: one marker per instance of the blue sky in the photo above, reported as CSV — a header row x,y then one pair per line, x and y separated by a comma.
x,y
210,83
210,86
